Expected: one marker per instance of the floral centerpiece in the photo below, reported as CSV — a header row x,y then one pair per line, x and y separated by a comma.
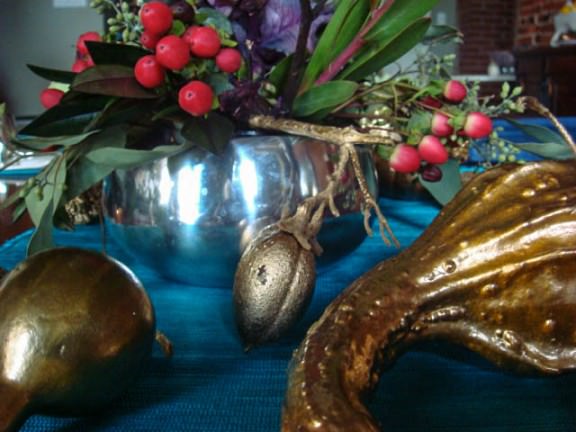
x,y
309,67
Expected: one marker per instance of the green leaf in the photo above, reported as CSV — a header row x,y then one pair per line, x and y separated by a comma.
x,y
445,189
212,133
419,121
178,28
69,117
214,18
340,31
111,80
42,237
119,111
123,158
375,56
114,53
40,143
279,72
220,83
83,175
543,135
327,95
550,150
400,15
53,74
42,202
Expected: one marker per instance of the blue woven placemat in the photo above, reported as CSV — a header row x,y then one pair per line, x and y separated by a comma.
x,y
212,385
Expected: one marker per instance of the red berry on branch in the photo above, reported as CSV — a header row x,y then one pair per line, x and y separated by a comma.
x,y
156,17
81,47
229,60
80,65
196,98
431,173
149,72
440,126
477,125
432,150
455,91
149,40
172,52
405,159
50,97
203,41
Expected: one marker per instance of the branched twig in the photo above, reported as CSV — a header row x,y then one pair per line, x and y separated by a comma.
x,y
535,105
306,222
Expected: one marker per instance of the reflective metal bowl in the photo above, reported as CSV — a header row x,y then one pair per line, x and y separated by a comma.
x,y
190,216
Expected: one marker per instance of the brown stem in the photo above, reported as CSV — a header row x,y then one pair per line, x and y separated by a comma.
x,y
299,58
13,408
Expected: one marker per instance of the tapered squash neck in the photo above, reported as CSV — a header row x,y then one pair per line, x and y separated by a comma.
x,y
14,405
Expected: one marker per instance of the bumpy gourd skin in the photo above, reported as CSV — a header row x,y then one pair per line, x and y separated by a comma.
x,y
75,328
495,272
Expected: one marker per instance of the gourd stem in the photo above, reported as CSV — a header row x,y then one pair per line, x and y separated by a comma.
x,y
13,408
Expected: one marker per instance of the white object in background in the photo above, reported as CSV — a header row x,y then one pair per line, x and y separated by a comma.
x,y
564,22
493,69
441,18
69,3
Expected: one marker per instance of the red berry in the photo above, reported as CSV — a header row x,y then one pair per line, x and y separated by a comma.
x,y
440,126
432,150
430,102
431,173
50,97
204,41
455,91
81,41
156,17
477,125
149,72
196,98
229,60
405,159
149,40
172,52
80,65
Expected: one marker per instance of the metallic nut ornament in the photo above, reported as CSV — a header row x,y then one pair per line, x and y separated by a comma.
x,y
75,328
273,285
495,272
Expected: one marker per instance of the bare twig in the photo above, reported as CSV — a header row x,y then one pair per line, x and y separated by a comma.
x,y
306,222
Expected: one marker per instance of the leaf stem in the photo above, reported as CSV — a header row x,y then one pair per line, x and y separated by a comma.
x,y
358,42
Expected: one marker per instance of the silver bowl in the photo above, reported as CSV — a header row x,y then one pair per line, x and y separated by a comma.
x,y
190,216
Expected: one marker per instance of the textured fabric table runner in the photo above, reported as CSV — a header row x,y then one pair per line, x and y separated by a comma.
x,y
212,385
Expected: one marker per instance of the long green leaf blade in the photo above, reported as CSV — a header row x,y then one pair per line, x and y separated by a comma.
x,y
340,31
376,56
111,80
319,98
61,76
114,54
398,17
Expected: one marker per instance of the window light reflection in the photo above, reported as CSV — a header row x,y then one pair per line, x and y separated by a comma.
x,y
189,193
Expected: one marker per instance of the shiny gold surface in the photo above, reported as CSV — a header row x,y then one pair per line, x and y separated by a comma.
x,y
495,272
273,284
75,327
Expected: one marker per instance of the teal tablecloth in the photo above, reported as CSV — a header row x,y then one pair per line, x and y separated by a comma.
x,y
212,385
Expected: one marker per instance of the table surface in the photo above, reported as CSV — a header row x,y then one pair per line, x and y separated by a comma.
x,y
212,385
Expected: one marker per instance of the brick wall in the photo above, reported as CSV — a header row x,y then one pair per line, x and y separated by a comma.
x,y
490,25
487,25
534,23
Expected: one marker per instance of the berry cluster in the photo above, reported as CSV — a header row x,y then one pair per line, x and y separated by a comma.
x,y
173,52
51,96
431,149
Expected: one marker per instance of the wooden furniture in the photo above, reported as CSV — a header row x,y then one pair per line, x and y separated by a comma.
x,y
549,74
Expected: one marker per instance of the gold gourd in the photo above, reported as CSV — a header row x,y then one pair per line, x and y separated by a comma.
x,y
495,272
76,327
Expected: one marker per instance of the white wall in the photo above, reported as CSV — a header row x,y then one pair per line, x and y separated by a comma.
x,y
33,31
